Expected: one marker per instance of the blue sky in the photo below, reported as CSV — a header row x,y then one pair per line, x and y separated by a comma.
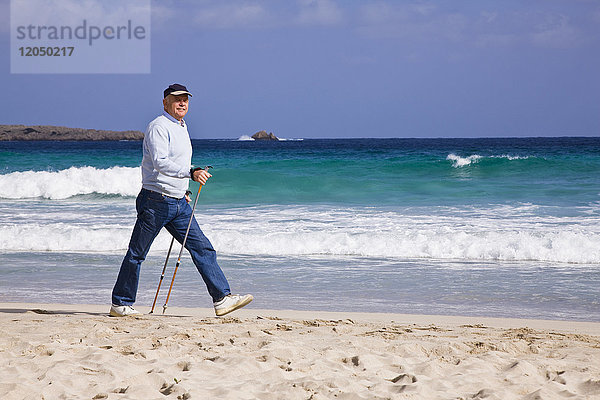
x,y
326,68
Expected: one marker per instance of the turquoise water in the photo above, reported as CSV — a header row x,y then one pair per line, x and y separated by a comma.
x,y
544,171
505,227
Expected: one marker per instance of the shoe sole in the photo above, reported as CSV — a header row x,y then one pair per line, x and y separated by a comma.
x,y
234,307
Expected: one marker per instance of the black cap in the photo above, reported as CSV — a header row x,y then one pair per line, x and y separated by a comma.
x,y
176,89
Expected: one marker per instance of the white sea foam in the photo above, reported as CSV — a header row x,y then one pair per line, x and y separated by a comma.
x,y
511,158
458,161
246,138
70,182
70,238
392,234
501,233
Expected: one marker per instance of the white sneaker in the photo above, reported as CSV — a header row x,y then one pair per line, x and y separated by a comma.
x,y
231,303
122,311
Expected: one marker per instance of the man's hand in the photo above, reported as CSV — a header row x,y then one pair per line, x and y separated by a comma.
x,y
201,176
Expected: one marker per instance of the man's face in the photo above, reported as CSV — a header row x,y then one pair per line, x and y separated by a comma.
x,y
176,106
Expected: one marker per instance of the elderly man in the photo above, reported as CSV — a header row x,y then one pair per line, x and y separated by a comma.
x,y
166,169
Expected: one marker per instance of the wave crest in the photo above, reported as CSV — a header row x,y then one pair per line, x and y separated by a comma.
x,y
458,161
123,181
297,231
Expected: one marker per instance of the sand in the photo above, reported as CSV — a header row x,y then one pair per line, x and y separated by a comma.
x,y
53,351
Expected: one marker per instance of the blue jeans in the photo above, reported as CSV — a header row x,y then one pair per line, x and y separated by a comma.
x,y
155,211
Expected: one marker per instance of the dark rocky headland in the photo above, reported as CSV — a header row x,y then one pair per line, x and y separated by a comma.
x,y
44,132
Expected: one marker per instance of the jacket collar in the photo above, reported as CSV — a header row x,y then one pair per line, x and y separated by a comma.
x,y
170,117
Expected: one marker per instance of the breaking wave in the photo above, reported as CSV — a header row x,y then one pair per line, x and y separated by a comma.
x,y
458,161
55,185
301,230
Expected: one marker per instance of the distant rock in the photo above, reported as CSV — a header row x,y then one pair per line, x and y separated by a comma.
x,y
45,132
263,135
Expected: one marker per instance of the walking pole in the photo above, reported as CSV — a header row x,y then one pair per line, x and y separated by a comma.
x,y
183,243
162,275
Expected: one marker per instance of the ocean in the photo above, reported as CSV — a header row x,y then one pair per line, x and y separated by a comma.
x,y
483,227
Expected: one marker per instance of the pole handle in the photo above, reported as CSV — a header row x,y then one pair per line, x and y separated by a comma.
x,y
194,169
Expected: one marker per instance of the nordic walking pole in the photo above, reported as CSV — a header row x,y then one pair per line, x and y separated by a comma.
x,y
183,243
162,275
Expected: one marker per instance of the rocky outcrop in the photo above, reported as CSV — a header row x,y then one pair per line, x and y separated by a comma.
x,y
44,132
263,135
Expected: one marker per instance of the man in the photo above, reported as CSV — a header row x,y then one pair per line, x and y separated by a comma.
x,y
166,168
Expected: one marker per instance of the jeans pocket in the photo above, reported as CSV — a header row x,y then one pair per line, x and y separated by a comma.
x,y
147,217
153,201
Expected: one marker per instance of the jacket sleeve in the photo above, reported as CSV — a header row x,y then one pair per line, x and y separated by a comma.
x,y
157,144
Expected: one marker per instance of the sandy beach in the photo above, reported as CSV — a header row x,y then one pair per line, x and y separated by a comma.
x,y
54,351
